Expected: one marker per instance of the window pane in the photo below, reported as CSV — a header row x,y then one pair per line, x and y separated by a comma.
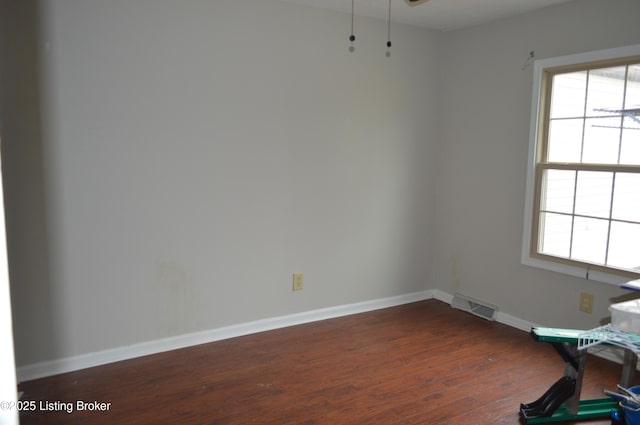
x,y
624,245
626,197
630,149
560,187
593,193
589,239
555,234
632,100
606,90
591,216
601,140
565,140
568,95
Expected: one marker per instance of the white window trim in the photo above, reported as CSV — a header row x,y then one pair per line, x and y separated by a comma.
x,y
539,66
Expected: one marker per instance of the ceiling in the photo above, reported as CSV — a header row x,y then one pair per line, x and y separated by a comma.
x,y
443,15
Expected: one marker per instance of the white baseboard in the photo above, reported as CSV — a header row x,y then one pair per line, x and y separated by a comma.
x,y
507,319
442,296
515,322
69,364
613,354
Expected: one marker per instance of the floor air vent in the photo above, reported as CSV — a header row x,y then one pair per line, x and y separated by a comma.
x,y
478,308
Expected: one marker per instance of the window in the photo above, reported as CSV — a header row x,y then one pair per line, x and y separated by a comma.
x,y
584,183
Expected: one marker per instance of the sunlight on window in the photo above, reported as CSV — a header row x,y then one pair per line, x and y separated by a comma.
x,y
589,188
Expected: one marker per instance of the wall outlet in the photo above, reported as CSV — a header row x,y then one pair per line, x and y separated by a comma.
x,y
298,281
586,302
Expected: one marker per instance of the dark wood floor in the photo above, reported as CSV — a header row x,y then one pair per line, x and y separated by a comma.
x,y
421,363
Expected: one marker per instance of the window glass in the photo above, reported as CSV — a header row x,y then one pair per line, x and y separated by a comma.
x,y
632,98
565,140
568,95
630,143
589,241
626,197
624,246
556,234
605,91
593,193
560,191
601,140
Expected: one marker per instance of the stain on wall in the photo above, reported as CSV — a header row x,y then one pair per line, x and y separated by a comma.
x,y
455,278
173,298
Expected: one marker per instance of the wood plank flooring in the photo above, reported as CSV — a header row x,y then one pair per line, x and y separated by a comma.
x,y
420,363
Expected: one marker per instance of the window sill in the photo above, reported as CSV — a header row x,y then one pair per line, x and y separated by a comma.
x,y
580,272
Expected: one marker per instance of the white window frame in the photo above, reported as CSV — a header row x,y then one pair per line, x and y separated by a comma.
x,y
539,67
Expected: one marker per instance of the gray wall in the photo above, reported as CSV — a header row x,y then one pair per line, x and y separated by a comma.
x,y
7,357
23,181
194,154
485,137
168,164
